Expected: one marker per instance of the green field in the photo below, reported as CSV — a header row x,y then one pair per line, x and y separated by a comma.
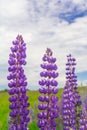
x,y
33,99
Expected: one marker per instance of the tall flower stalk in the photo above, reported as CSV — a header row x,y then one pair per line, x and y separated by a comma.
x,y
71,98
17,86
48,100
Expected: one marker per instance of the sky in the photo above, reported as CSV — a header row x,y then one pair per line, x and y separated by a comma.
x,y
58,24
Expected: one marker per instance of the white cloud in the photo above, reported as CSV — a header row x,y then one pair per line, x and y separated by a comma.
x,y
41,27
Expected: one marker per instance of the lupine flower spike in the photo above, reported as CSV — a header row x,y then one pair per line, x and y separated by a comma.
x,y
71,98
17,86
68,110
83,120
48,100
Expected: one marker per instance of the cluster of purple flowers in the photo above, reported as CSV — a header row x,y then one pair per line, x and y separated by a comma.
x,y
73,117
83,120
48,101
68,111
18,99
71,98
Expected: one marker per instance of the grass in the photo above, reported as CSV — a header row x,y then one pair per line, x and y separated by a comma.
x,y
33,98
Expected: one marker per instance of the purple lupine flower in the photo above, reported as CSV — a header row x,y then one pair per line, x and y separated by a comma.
x,y
68,108
48,100
83,120
18,99
71,113
76,94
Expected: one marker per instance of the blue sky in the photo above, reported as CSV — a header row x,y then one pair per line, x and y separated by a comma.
x,y
82,75
58,24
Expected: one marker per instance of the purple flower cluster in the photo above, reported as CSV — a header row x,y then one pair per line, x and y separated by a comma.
x,y
48,100
83,120
18,99
68,109
71,99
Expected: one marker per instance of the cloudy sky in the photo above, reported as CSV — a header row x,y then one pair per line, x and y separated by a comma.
x,y
58,24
